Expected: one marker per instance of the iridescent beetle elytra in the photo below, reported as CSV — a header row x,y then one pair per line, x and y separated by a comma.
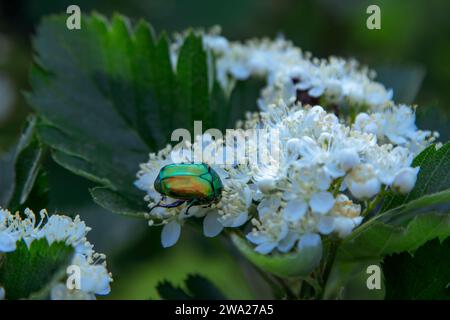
x,y
194,183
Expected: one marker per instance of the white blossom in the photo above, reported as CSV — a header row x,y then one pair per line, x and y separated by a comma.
x,y
405,179
61,292
95,278
363,182
342,142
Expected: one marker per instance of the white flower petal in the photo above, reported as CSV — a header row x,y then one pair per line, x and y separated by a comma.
x,y
266,247
405,180
309,240
295,210
238,221
348,158
365,190
326,225
316,92
7,242
257,237
321,202
344,226
170,234
211,225
288,242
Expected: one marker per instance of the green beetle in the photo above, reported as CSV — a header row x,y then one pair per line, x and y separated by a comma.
x,y
194,183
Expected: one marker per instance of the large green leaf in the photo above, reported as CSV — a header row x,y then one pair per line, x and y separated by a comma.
x,y
108,94
434,176
202,288
197,287
424,275
116,203
30,181
348,281
404,228
296,264
27,271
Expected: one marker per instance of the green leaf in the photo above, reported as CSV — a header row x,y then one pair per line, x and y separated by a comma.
x,y
348,281
198,287
27,271
30,181
108,95
424,275
434,176
192,78
202,288
404,228
168,291
405,81
284,265
116,203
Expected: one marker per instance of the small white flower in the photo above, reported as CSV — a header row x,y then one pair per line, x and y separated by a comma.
x,y
363,182
347,158
235,202
95,278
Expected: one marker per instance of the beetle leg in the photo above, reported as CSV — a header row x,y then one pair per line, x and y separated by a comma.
x,y
191,204
169,205
173,204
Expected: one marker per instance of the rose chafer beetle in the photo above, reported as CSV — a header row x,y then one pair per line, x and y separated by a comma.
x,y
194,183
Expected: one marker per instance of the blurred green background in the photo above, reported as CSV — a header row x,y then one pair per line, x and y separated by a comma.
x,y
411,53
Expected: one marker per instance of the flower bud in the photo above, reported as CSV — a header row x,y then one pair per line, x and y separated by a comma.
x,y
266,185
362,182
405,180
348,158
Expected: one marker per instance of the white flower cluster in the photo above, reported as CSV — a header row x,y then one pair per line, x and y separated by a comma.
x,y
94,276
338,84
325,171
314,187
231,211
334,162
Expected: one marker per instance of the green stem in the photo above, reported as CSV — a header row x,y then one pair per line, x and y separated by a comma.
x,y
374,203
331,257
